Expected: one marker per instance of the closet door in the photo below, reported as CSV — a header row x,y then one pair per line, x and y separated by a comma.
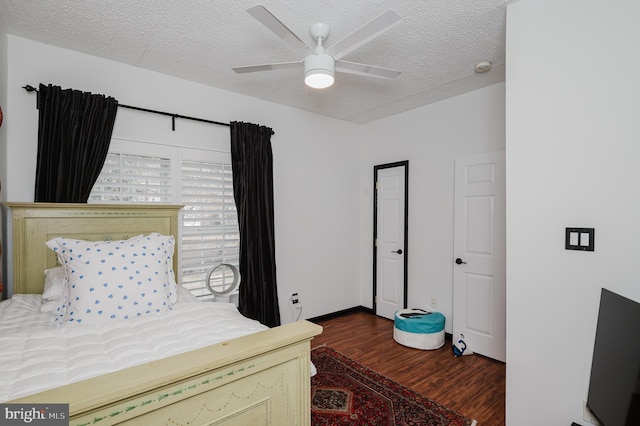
x,y
390,218
479,264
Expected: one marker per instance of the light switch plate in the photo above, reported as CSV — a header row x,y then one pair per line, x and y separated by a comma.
x,y
579,239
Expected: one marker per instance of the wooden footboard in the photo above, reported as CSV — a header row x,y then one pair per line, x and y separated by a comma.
x,y
259,379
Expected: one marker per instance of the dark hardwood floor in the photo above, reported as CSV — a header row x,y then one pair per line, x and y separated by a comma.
x,y
473,385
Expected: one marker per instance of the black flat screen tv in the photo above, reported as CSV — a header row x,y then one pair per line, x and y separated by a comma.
x,y
614,387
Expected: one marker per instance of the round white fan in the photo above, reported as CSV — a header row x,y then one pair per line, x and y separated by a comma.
x,y
223,287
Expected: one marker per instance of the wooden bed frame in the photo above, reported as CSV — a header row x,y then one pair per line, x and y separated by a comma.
x,y
259,379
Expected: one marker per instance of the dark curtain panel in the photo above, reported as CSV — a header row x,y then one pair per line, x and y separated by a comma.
x,y
74,132
252,166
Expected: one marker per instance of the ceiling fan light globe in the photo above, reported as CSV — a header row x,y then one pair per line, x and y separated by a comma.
x,y
318,79
319,70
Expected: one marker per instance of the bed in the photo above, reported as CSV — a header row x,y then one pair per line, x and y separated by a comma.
x,y
242,373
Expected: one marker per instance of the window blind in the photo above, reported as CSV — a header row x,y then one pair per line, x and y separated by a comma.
x,y
209,224
129,178
210,233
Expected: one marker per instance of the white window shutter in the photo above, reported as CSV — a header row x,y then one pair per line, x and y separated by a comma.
x,y
209,223
210,233
129,178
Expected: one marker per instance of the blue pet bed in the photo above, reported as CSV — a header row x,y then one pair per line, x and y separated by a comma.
x,y
419,329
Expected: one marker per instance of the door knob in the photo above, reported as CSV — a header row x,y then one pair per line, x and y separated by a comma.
x,y
399,251
460,261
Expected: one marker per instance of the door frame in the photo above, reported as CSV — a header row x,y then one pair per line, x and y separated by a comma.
x,y
404,164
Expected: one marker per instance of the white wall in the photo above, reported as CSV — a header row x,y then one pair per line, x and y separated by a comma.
x,y
572,160
430,137
3,143
316,159
3,104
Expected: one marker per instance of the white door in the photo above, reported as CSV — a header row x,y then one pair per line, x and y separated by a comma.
x,y
479,283
390,239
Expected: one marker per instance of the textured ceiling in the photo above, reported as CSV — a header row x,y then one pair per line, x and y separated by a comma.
x,y
436,45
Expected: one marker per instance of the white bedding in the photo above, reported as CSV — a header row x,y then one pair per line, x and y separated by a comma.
x,y
36,354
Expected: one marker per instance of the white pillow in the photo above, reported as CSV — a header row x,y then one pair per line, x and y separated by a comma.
x,y
110,280
54,290
53,283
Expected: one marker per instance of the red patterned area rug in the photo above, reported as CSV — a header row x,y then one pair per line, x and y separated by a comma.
x,y
344,392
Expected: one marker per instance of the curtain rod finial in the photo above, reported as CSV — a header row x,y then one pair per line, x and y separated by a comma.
x,y
29,88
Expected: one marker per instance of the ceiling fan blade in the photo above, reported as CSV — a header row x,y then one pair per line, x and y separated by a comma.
x,y
366,70
267,67
364,34
267,19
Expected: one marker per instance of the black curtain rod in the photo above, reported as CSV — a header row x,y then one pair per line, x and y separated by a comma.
x,y
174,116
30,88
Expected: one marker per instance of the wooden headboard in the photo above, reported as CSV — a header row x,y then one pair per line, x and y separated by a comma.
x,y
36,223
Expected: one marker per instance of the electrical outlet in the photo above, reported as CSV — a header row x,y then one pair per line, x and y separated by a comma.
x,y
295,306
434,303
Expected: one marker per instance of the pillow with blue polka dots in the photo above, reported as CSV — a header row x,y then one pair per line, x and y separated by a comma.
x,y
116,280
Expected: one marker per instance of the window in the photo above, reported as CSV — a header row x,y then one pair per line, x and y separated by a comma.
x,y
209,226
203,183
127,178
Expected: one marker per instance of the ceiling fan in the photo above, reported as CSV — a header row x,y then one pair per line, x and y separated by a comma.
x,y
320,63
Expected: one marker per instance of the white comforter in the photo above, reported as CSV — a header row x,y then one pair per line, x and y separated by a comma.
x,y
36,354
